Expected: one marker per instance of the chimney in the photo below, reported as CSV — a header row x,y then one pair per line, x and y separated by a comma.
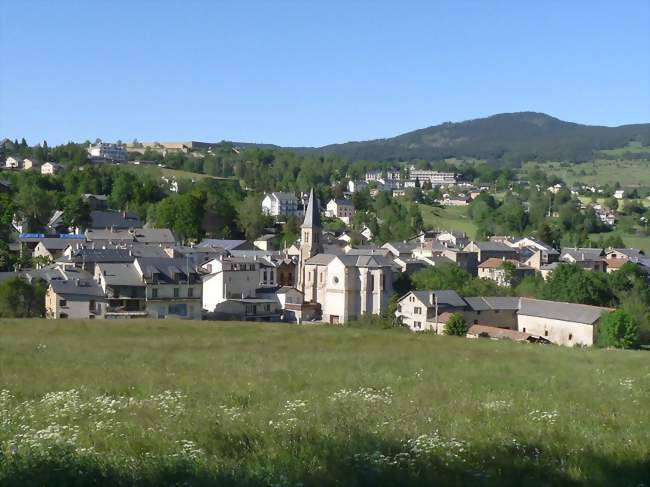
x,y
432,298
124,214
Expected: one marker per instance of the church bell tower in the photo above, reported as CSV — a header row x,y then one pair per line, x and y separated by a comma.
x,y
311,237
311,242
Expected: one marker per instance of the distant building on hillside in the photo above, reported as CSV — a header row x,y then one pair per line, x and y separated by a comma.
x,y
281,204
341,209
108,152
50,168
436,178
13,162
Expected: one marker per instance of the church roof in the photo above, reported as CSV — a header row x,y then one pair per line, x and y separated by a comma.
x,y
321,259
312,214
364,261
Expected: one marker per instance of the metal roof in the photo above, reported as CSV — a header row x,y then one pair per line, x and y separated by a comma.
x,y
553,310
480,303
115,219
77,287
125,274
446,297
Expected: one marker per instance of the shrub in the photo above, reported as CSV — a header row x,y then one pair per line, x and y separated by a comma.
x,y
456,325
618,329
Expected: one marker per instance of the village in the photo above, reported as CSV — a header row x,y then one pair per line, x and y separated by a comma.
x,y
121,267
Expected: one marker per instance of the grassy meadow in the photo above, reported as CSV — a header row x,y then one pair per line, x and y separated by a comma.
x,y
448,218
182,403
628,172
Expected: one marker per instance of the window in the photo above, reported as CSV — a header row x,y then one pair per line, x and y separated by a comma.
x,y
524,329
63,303
335,279
417,310
190,292
177,292
178,309
545,333
417,324
267,307
154,292
570,336
63,315
371,282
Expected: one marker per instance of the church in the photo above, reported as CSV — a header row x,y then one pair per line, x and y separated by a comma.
x,y
346,286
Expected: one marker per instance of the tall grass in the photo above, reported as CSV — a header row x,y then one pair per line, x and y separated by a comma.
x,y
162,402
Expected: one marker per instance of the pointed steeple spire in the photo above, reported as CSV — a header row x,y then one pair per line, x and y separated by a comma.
x,y
312,214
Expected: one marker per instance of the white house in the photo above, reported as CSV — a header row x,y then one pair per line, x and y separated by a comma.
x,y
505,272
76,297
50,168
420,310
13,162
341,209
281,204
29,163
229,278
356,186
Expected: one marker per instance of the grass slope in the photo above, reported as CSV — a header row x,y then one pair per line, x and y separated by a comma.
x,y
164,402
169,173
628,172
448,218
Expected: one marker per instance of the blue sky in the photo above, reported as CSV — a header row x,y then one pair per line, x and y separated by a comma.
x,y
312,73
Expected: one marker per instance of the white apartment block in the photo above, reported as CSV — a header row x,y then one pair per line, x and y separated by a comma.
x,y
391,175
113,152
436,178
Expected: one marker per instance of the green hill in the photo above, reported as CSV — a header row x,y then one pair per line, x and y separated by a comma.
x,y
521,136
163,402
518,136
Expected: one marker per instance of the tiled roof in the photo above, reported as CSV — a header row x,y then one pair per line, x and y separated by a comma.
x,y
495,332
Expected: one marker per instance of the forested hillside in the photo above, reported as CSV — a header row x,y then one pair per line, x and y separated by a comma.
x,y
511,136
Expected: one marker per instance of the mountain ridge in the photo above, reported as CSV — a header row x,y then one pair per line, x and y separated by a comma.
x,y
511,136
